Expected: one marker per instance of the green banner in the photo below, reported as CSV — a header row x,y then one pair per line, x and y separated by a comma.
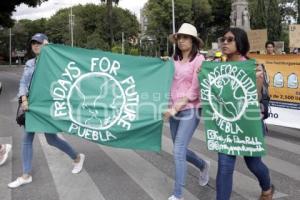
x,y
231,109
106,98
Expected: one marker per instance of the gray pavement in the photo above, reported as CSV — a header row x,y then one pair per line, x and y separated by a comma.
x,y
117,174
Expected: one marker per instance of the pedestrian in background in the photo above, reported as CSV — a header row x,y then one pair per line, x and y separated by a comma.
x,y
270,48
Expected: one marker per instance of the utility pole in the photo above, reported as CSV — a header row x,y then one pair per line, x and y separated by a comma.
x,y
167,46
10,46
298,20
71,22
123,50
173,19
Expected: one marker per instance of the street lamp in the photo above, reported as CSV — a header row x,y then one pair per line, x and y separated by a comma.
x,y
10,46
123,49
71,22
173,19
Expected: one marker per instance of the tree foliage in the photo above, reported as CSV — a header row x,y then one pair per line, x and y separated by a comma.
x,y
109,16
278,14
90,29
7,7
209,16
288,10
274,21
259,18
221,15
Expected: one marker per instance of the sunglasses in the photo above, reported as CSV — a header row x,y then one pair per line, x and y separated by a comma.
x,y
228,39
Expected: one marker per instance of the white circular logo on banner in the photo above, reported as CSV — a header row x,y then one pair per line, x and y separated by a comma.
x,y
227,97
98,106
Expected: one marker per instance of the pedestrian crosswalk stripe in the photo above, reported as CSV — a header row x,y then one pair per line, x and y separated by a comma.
x,y
275,164
6,172
157,184
281,144
283,167
69,186
241,182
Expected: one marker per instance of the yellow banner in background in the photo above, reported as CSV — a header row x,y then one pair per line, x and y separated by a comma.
x,y
284,87
284,76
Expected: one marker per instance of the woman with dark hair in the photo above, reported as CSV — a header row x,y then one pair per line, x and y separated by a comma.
x,y
184,109
235,46
37,42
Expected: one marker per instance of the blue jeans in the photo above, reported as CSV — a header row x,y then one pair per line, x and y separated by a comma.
x,y
52,140
183,126
226,165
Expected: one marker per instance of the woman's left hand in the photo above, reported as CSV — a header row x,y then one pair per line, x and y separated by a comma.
x,y
171,112
24,105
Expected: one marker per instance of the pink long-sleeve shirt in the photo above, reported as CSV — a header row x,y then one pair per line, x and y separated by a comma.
x,y
185,82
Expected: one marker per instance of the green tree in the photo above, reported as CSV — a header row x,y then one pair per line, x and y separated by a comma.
x,y
21,34
7,7
202,10
95,41
109,19
159,15
58,27
274,21
90,28
258,17
288,10
221,17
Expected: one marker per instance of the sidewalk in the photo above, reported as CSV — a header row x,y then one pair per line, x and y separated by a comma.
x,y
18,69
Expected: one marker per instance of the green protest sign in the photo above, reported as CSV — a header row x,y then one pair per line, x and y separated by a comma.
x,y
103,97
231,109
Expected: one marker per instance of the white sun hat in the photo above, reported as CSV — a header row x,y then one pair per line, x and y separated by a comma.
x,y
187,29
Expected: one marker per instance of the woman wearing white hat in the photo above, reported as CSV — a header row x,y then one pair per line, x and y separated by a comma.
x,y
184,109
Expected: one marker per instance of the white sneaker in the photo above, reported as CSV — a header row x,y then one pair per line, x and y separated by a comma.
x,y
174,198
204,175
20,181
5,155
78,166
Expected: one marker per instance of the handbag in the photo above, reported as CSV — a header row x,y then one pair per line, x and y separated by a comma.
x,y
20,117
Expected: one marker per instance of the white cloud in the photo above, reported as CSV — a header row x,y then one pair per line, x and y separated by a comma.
x,y
49,8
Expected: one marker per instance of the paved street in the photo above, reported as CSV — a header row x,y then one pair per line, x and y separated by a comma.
x,y
117,174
